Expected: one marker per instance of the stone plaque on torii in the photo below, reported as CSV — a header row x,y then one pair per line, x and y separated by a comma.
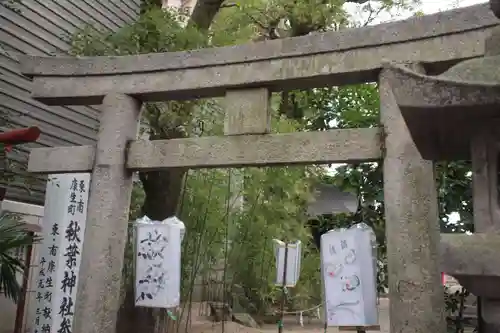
x,y
246,75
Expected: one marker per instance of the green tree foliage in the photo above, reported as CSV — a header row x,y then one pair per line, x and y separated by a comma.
x,y
13,238
358,106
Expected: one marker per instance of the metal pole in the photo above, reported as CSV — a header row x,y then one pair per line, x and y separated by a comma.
x,y
283,291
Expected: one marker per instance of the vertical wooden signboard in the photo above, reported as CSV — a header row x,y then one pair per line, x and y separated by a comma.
x,y
64,220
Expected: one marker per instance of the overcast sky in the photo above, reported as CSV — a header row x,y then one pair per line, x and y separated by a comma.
x,y
433,6
427,6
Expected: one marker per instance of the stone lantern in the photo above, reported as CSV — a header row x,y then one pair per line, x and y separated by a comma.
x,y
456,116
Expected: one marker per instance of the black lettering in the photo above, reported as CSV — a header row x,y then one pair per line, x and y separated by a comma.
x,y
51,266
72,209
66,307
65,326
72,252
53,250
55,229
80,206
73,231
74,185
46,328
48,296
82,186
68,282
72,197
47,313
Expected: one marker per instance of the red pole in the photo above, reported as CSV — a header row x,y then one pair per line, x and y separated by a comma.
x,y
18,136
9,139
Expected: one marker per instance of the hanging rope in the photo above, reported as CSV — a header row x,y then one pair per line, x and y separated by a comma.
x,y
300,311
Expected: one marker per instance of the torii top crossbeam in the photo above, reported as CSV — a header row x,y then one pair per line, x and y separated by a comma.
x,y
334,58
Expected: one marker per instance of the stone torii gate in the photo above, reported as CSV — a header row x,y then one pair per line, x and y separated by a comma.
x,y
246,75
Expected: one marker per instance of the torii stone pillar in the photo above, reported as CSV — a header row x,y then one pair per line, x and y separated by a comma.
x,y
411,217
485,164
98,298
454,116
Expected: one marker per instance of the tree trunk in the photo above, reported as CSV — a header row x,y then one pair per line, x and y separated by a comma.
x,y
163,192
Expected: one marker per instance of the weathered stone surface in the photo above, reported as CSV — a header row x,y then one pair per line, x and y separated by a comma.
x,y
484,151
463,105
55,160
455,107
351,66
247,111
460,102
412,229
244,150
465,256
346,145
455,21
106,231
336,58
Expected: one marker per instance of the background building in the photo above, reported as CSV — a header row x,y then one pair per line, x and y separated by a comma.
x,y
44,27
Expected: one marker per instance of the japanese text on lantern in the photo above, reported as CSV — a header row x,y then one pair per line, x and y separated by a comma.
x,y
158,263
349,276
65,214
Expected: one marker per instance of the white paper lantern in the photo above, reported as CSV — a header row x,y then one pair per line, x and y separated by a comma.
x,y
348,264
158,263
175,222
293,262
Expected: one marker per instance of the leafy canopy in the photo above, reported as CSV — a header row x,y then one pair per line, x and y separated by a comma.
x,y
13,238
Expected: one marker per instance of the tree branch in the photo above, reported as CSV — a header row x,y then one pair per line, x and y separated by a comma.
x,y
204,13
